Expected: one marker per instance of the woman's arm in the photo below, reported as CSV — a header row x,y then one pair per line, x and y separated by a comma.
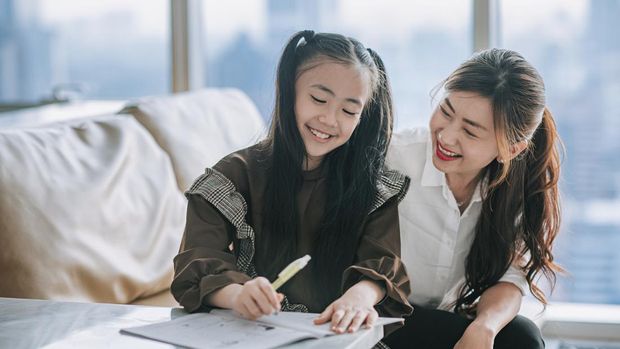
x,y
498,305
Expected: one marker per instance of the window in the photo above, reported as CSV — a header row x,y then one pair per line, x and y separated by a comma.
x,y
104,49
114,49
420,42
575,46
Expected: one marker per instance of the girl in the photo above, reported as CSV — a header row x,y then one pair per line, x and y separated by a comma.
x,y
316,185
479,225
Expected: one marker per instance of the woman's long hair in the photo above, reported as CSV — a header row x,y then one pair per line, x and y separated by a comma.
x,y
520,215
353,169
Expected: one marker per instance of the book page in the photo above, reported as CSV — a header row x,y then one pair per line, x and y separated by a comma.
x,y
302,321
223,329
206,330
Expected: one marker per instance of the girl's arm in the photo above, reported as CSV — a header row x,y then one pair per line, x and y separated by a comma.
x,y
205,263
206,271
498,305
366,292
251,300
355,307
377,281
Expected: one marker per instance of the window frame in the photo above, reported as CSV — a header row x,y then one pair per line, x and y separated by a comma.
x,y
187,72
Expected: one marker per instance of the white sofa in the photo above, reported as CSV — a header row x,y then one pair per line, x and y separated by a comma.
x,y
91,208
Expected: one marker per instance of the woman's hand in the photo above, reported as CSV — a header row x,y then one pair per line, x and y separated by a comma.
x,y
256,298
476,336
354,309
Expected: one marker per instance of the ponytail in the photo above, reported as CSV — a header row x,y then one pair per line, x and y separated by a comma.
x,y
541,205
285,97
529,193
284,151
381,106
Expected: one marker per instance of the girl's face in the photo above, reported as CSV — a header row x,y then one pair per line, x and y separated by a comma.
x,y
463,134
329,100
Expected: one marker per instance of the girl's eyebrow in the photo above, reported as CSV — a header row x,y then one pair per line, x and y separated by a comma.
x,y
326,89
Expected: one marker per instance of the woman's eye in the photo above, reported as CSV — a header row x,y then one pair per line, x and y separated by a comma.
x,y
317,100
469,133
349,112
444,112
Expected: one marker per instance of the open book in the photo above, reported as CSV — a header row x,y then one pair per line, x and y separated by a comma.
x,y
224,329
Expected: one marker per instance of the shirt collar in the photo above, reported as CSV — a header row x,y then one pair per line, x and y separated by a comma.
x,y
431,176
481,188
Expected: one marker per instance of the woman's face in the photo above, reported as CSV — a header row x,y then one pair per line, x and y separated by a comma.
x,y
329,100
463,134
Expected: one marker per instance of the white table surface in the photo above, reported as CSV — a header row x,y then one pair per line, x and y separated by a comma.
x,y
27,323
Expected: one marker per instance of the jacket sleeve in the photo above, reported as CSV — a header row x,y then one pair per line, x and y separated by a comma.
x,y
205,262
378,259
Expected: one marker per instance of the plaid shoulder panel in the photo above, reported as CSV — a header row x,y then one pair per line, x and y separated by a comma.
x,y
220,192
391,184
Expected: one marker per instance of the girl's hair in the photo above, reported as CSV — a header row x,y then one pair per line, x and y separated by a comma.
x,y
353,169
520,211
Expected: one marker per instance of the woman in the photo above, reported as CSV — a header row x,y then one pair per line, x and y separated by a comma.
x,y
479,221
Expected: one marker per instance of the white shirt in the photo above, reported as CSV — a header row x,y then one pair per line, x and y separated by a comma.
x,y
435,236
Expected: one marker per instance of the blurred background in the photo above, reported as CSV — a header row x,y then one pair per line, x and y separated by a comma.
x,y
55,51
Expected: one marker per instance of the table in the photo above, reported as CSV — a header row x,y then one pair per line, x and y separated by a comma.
x,y
29,323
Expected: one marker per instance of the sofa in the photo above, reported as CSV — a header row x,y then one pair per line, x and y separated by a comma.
x,y
92,206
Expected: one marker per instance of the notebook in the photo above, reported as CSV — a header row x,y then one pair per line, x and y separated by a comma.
x,y
224,329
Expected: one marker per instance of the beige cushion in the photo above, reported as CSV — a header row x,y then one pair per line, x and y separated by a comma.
x,y
200,127
89,211
161,299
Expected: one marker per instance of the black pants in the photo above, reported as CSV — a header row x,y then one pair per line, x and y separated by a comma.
x,y
438,329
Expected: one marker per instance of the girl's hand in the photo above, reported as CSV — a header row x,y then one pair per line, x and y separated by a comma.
x,y
256,298
476,336
354,309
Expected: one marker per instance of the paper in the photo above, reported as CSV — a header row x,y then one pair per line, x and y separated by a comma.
x,y
223,329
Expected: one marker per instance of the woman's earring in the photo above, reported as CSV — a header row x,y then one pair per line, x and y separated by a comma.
x,y
501,161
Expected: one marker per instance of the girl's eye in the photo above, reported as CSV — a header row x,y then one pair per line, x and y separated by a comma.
x,y
320,101
349,112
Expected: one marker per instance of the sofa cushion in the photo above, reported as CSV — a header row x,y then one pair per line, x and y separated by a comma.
x,y
198,128
89,211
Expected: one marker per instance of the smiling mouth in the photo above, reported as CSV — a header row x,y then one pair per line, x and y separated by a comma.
x,y
319,134
445,154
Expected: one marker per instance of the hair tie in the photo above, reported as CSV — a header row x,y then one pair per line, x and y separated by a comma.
x,y
306,37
